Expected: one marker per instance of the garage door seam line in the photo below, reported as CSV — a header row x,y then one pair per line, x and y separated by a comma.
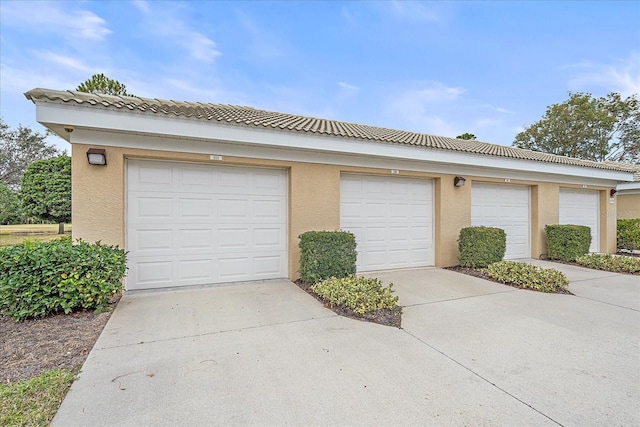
x,y
459,298
216,332
481,377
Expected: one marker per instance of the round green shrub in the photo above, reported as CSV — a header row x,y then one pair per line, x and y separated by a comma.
x,y
325,254
567,242
481,246
41,278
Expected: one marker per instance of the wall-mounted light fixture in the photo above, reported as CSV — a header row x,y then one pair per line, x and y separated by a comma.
x,y
459,181
97,156
613,192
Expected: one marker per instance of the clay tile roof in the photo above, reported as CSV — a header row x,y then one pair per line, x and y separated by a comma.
x,y
251,117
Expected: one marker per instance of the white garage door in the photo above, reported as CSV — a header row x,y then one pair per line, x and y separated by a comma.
x,y
190,224
392,219
506,207
581,207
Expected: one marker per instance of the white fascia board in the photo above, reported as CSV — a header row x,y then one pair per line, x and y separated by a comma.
x,y
629,187
192,129
218,148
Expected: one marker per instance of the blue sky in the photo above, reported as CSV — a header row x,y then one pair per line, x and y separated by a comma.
x,y
442,68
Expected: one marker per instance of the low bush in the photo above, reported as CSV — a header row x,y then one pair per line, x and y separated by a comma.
x,y
614,263
361,294
528,276
325,254
481,246
567,242
629,234
40,278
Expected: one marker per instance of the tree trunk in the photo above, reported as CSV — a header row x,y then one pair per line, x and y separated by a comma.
x,y
61,228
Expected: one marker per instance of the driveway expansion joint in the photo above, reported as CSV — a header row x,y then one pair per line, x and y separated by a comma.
x,y
459,298
608,303
204,334
481,377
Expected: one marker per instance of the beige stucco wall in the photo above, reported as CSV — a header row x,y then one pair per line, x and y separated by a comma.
x,y
628,206
98,197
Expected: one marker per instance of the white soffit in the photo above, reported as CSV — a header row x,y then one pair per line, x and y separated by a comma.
x,y
174,128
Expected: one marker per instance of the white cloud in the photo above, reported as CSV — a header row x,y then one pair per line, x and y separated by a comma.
x,y
143,5
165,21
486,122
264,44
201,47
415,11
427,107
70,23
347,86
66,62
622,76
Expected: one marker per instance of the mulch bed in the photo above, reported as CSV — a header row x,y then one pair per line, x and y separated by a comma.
x,y
382,316
482,275
60,341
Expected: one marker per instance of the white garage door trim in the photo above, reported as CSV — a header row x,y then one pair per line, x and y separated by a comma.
x,y
507,207
392,219
197,224
582,207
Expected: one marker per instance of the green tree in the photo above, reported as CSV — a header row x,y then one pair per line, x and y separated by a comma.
x,y
467,136
101,84
605,128
45,191
9,206
18,148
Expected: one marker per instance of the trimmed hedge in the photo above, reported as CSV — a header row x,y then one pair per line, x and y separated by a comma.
x,y
528,276
567,242
481,246
606,262
325,254
41,278
629,234
361,294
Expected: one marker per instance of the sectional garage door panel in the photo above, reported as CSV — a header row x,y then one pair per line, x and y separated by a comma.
x,y
199,224
505,207
392,219
581,207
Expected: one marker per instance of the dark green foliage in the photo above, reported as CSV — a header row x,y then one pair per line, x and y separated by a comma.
x,y
40,278
629,234
18,148
567,242
468,136
325,254
9,206
481,246
45,192
101,84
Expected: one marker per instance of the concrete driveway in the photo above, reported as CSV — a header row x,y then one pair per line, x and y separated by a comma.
x,y
470,353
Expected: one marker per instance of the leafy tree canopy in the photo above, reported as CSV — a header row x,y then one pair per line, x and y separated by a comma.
x,y
605,128
45,191
101,84
467,136
18,148
9,206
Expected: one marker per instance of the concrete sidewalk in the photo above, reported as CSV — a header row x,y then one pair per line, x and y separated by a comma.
x,y
470,352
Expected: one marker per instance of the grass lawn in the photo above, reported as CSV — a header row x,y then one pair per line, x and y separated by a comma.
x,y
34,402
16,234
